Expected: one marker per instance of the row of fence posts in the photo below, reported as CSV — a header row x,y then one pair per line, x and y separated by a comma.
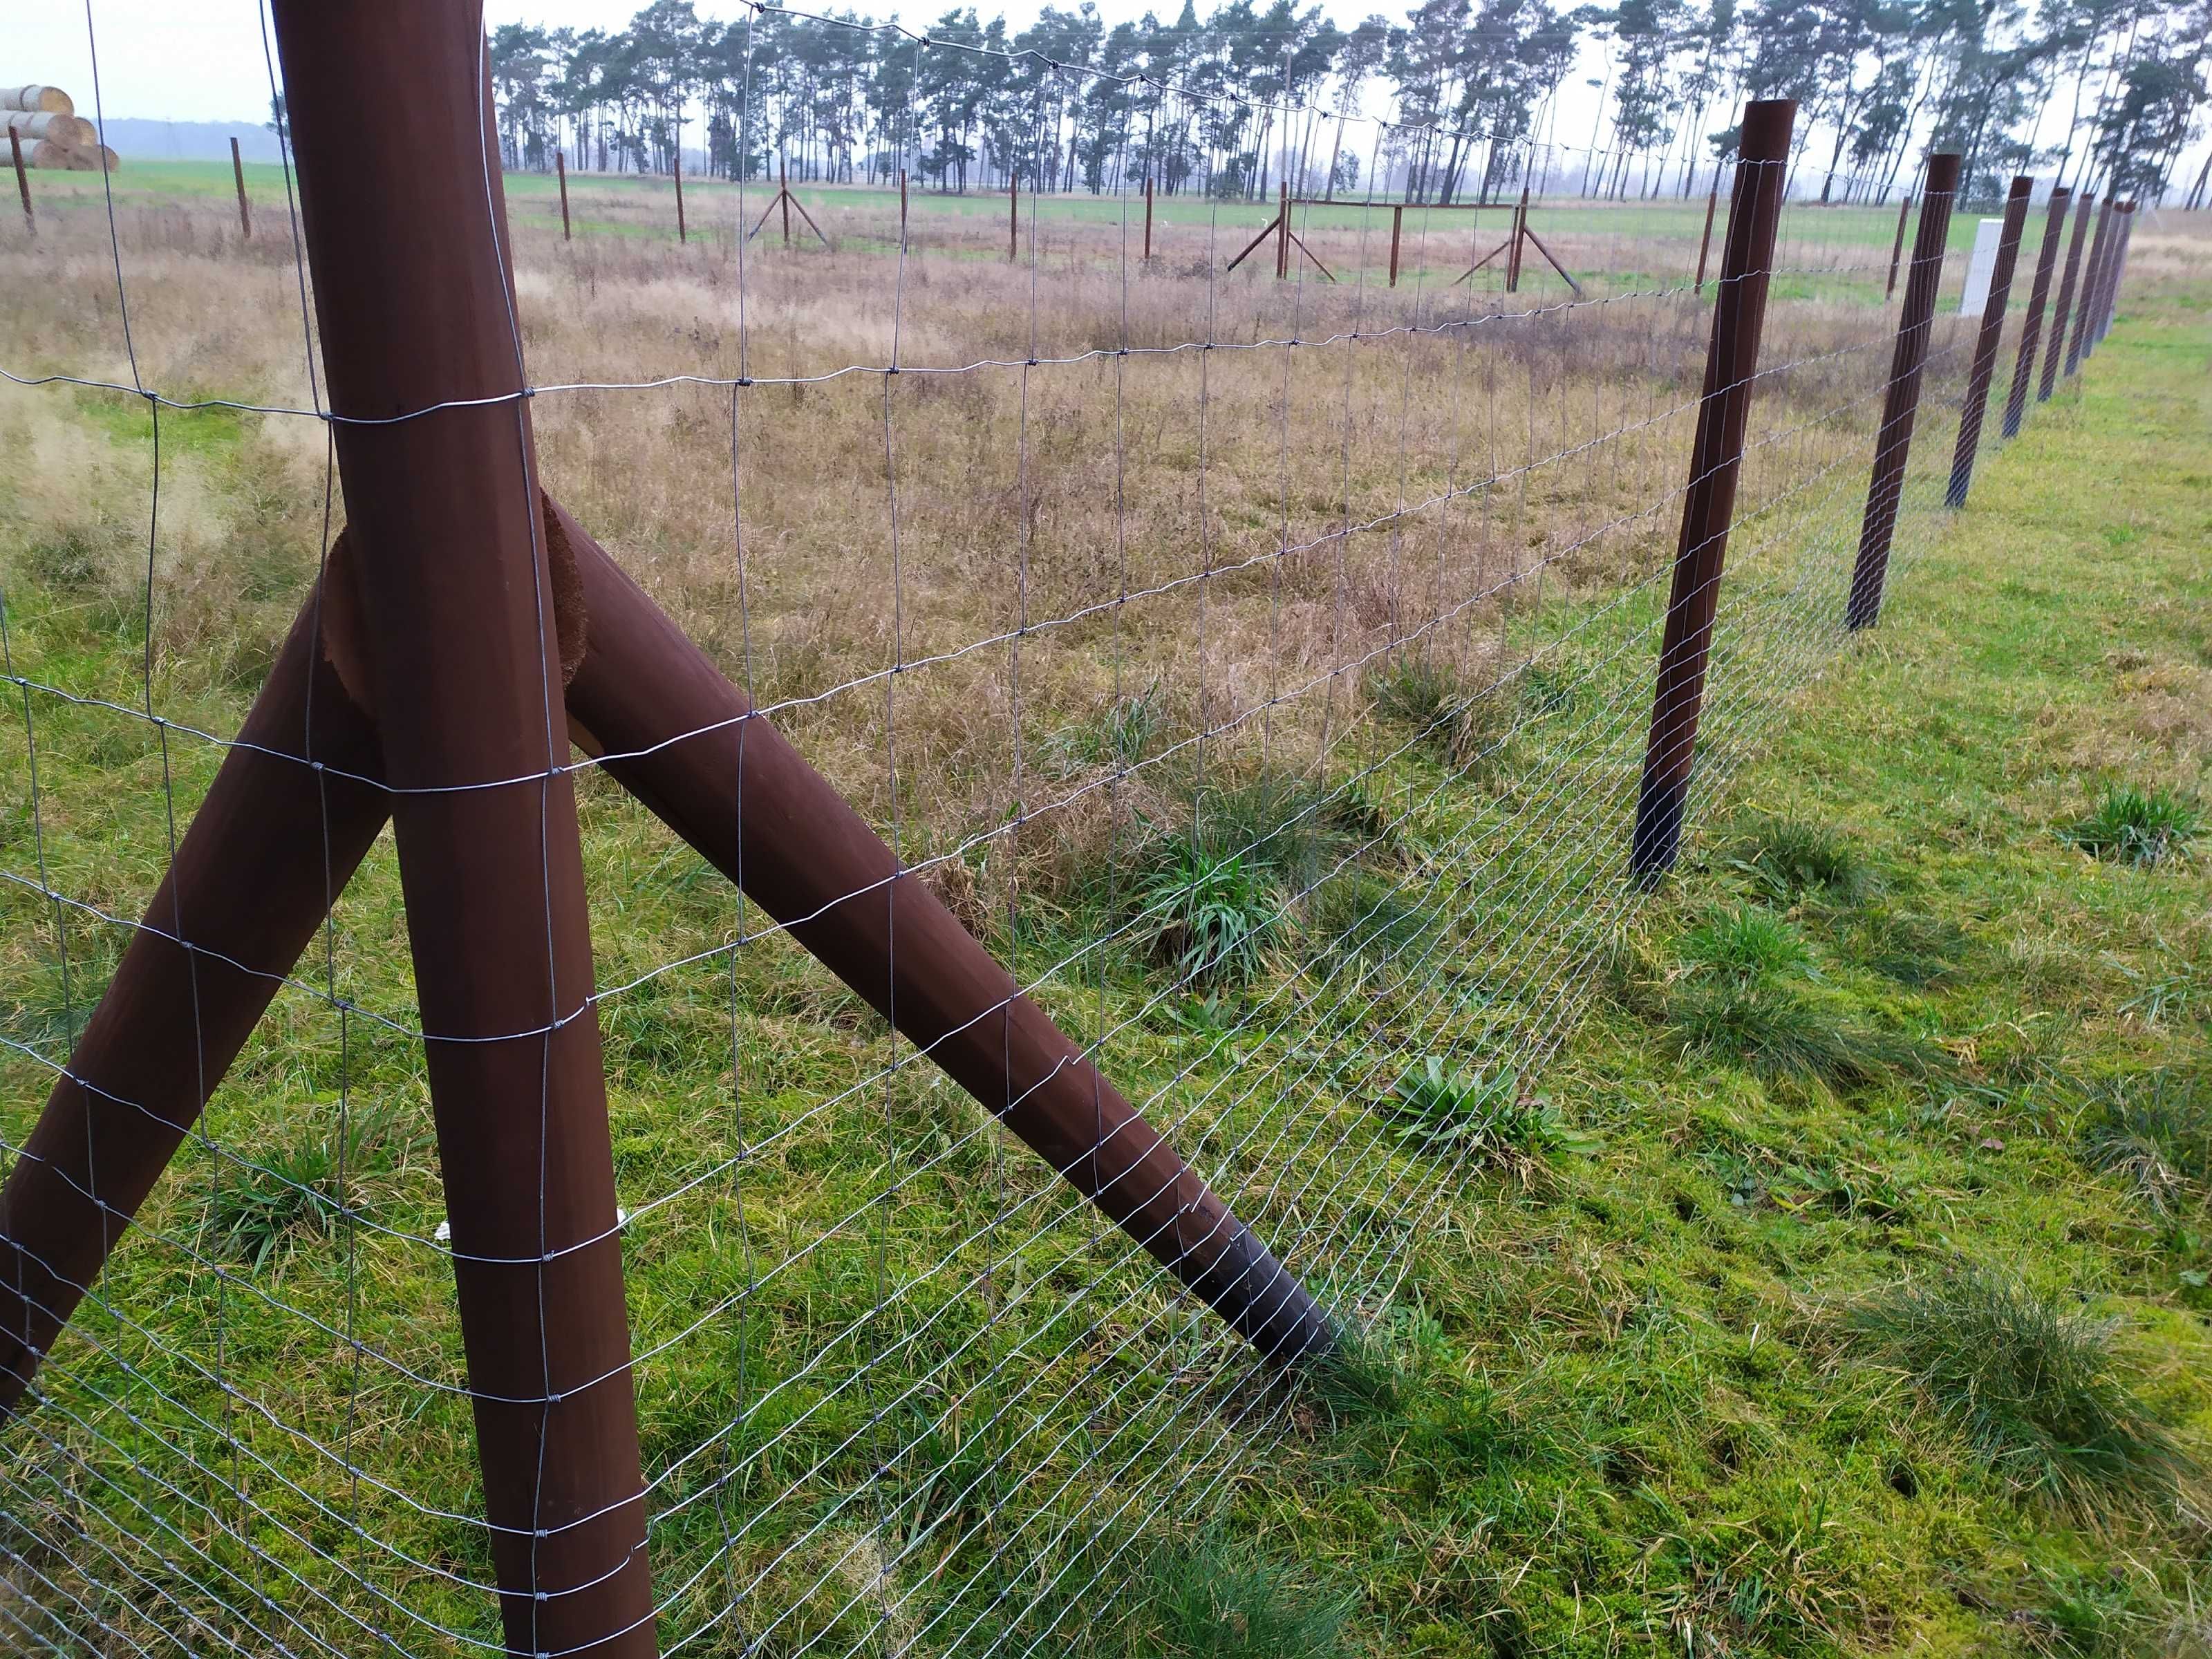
x,y
1732,368
410,277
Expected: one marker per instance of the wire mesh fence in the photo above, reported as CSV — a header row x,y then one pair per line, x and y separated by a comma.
x,y
1255,664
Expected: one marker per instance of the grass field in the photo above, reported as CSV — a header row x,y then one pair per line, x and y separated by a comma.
x,y
1809,1260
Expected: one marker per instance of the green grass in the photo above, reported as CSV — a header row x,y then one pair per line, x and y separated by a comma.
x,y
1667,1398
2142,827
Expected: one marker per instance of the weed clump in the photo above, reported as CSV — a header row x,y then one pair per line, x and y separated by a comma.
x,y
2138,827
2034,1389
1461,728
1434,1108
2155,1132
1210,916
297,1192
1785,860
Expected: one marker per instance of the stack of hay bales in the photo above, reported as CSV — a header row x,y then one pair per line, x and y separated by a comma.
x,y
52,134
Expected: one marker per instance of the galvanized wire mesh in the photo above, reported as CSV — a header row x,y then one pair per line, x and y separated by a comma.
x,y
1260,668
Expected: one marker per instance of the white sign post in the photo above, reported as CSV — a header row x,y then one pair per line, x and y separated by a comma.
x,y
1987,233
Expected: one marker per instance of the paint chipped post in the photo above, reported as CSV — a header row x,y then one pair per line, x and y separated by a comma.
x,y
1709,503
2031,330
429,392
1986,341
1892,443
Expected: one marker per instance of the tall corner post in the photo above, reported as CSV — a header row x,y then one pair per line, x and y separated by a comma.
x,y
2038,298
2068,286
1709,503
406,239
1975,410
1892,443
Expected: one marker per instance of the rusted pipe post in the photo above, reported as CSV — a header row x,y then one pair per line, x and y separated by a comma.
x,y
1397,229
1897,247
430,397
1283,236
22,180
1709,503
245,895
2067,288
676,171
1705,242
783,194
1520,229
561,172
2038,297
743,797
2091,281
238,173
1148,218
1892,443
1976,408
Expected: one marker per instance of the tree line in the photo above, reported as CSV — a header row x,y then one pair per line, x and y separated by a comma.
x,y
1459,100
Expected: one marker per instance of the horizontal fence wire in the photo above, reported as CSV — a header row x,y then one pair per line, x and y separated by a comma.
x,y
1261,666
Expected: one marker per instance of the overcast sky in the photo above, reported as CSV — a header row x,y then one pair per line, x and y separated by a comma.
x,y
202,60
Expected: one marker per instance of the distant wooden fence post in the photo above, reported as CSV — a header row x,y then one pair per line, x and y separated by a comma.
x,y
783,194
2067,290
2038,297
560,171
238,173
1014,216
903,204
1705,242
1709,503
1148,217
1892,443
1283,235
406,244
22,180
1897,247
1976,408
1397,229
676,171
1520,229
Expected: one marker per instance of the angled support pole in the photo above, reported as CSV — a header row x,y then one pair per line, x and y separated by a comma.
x,y
1271,227
1897,247
2038,298
1892,442
2067,288
423,357
1975,410
1709,503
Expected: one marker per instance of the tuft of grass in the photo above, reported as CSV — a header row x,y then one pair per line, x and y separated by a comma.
x,y
1459,727
2037,1391
2154,1130
1785,860
1215,1600
1919,951
1437,1109
2139,827
1210,916
297,1192
1746,943
1361,914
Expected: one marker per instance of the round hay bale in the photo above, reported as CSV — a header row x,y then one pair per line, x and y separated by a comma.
x,y
49,100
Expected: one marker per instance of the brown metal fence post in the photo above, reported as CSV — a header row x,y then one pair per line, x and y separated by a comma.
x,y
1976,408
238,173
2124,224
1513,253
783,194
560,171
1283,236
2067,288
1897,247
22,180
1709,503
2030,331
1013,217
903,204
676,171
1148,217
1892,444
2092,280
1397,229
430,397
1705,242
